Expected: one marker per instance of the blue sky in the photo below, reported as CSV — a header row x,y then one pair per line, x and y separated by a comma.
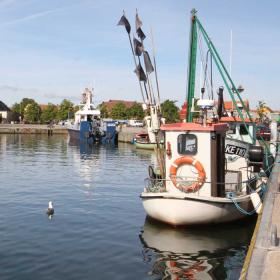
x,y
50,50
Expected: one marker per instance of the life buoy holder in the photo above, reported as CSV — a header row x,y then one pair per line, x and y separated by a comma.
x,y
195,186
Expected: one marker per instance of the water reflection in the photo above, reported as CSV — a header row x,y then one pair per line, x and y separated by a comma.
x,y
195,253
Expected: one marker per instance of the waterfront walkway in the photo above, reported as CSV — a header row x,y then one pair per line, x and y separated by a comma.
x,y
32,129
263,258
125,133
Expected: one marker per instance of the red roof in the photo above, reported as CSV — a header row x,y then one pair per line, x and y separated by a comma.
x,y
234,119
111,103
229,106
194,127
45,106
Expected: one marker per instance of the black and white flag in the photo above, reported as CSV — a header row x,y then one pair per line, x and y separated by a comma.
x,y
123,21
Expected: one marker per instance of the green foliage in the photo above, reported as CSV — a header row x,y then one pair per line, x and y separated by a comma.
x,y
196,109
64,109
119,111
136,111
32,112
19,108
49,114
24,102
103,110
16,108
170,111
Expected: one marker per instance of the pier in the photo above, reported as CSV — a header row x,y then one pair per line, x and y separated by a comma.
x,y
263,257
32,129
126,134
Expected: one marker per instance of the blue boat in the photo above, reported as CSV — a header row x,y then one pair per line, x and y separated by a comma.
x,y
89,127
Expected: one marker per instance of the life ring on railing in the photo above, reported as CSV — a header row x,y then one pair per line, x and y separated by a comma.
x,y
195,186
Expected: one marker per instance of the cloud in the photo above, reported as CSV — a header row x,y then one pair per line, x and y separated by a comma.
x,y
59,96
35,15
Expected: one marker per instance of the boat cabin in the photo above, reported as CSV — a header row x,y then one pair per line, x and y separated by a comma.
x,y
238,131
195,158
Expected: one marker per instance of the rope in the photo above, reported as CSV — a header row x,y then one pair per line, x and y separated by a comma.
x,y
243,211
204,64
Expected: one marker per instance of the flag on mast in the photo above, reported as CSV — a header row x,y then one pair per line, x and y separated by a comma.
x,y
123,21
148,64
138,47
138,24
140,73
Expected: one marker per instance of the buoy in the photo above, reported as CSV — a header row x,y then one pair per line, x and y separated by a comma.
x,y
50,210
256,201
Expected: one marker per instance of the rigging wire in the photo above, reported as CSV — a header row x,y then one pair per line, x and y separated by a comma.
x,y
204,64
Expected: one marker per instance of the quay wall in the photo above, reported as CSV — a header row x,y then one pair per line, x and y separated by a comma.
x,y
126,134
31,129
263,257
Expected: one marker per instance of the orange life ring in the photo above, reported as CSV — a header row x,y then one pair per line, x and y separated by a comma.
x,y
192,161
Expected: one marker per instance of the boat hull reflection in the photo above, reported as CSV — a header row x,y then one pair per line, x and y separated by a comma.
x,y
195,253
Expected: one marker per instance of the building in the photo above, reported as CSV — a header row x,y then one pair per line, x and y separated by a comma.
x,y
5,112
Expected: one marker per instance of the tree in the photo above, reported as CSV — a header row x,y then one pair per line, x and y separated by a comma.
x,y
19,108
16,108
136,111
24,102
32,112
103,110
262,109
49,114
119,111
170,111
64,109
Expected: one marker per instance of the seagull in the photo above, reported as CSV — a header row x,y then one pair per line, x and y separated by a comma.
x,y
50,210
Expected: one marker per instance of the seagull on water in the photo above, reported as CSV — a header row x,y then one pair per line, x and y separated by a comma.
x,y
50,210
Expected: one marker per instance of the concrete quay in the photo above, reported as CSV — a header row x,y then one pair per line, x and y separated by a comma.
x,y
32,129
126,134
263,257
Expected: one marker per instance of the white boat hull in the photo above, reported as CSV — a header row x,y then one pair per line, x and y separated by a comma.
x,y
193,210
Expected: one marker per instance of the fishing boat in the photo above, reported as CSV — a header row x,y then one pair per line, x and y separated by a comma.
x,y
88,125
205,176
148,141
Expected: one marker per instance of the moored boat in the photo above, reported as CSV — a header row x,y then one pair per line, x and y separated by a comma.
x,y
88,125
195,189
206,176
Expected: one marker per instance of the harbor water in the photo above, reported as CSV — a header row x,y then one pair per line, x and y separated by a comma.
x,y
99,229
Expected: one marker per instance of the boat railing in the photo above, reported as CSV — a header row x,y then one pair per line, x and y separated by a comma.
x,y
154,185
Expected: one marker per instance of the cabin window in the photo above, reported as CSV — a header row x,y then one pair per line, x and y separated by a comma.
x,y
243,130
187,144
232,128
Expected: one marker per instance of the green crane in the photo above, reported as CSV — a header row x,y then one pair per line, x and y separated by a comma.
x,y
196,27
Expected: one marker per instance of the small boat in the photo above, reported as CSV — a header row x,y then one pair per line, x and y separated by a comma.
x,y
197,187
142,141
88,126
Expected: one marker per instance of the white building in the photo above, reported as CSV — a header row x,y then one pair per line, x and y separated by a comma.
x,y
5,111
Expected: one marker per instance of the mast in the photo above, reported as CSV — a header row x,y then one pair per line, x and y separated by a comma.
x,y
192,66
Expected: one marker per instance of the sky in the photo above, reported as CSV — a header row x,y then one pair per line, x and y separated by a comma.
x,y
51,50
